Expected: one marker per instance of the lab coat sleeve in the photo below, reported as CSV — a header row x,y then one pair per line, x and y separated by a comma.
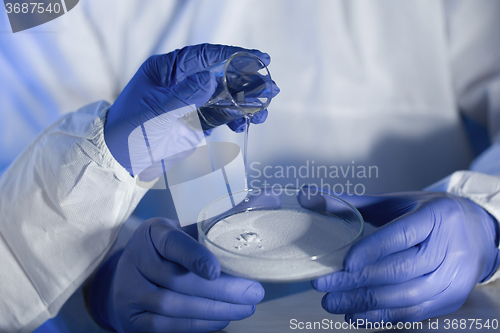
x,y
62,204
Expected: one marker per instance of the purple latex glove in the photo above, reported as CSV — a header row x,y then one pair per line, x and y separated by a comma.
x,y
432,250
165,281
165,83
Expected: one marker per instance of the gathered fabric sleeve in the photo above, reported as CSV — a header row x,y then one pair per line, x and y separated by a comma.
x,y
62,204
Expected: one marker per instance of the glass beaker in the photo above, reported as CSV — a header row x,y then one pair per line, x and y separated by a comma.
x,y
244,88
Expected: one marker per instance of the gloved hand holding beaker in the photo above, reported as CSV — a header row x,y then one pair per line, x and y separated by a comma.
x,y
165,281
431,251
166,84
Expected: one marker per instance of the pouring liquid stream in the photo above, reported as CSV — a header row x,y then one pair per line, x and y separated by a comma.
x,y
248,118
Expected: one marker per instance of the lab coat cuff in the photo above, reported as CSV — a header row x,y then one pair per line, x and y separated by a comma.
x,y
109,160
101,111
480,188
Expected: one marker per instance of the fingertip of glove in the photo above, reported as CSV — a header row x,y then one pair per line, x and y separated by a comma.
x,y
349,317
254,293
260,117
219,326
324,302
252,310
318,284
240,129
206,326
276,89
335,303
208,269
265,57
237,125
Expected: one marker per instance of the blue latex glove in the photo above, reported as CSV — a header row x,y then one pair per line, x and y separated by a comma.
x,y
431,252
165,281
164,83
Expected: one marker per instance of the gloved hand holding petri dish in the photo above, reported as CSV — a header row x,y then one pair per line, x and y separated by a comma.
x,y
280,234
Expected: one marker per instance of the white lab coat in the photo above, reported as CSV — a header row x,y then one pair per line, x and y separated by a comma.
x,y
365,83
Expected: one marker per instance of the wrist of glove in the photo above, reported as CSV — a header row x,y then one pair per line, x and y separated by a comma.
x,y
165,281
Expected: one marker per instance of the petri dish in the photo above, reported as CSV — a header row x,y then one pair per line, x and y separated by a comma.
x,y
280,234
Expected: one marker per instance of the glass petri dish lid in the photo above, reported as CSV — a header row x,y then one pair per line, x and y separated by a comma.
x,y
280,234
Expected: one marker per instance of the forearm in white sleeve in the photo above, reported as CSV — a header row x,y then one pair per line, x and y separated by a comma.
x,y
62,203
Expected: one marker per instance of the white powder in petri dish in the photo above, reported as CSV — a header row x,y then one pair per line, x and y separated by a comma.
x,y
286,235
